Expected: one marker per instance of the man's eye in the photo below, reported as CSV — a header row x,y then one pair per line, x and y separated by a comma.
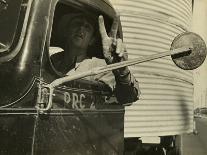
x,y
77,23
88,27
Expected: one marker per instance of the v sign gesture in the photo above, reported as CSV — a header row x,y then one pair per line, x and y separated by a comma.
x,y
114,49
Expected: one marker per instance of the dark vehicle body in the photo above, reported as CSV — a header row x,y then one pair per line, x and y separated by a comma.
x,y
82,121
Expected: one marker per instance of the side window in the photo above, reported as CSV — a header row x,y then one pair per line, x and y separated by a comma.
x,y
57,42
65,22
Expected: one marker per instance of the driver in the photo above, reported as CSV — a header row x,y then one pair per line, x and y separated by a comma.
x,y
80,31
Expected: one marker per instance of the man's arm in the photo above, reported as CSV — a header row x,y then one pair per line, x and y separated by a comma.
x,y
127,88
114,50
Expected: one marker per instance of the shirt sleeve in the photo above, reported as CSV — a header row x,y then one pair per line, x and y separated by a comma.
x,y
126,93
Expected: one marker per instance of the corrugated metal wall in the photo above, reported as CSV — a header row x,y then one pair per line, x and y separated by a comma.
x,y
200,74
166,103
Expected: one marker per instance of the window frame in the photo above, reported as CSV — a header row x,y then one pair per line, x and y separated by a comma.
x,y
11,53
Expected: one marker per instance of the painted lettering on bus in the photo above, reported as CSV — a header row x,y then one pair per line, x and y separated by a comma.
x,y
76,100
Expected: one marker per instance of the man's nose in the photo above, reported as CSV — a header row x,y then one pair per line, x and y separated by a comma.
x,y
83,25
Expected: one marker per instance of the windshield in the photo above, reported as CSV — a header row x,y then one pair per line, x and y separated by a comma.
x,y
12,13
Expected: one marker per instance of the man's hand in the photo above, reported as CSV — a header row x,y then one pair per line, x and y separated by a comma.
x,y
114,49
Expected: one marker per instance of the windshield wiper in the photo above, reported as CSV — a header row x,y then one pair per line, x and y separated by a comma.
x,y
3,47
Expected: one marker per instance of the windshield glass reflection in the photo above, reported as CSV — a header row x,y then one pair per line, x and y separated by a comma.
x,y
12,15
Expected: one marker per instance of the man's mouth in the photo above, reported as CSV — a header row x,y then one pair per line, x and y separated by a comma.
x,y
79,35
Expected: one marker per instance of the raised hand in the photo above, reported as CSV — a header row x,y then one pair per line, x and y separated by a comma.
x,y
114,49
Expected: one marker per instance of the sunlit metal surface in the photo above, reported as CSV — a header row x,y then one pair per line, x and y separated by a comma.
x,y
165,106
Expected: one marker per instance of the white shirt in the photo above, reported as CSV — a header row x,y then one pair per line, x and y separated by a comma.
x,y
88,64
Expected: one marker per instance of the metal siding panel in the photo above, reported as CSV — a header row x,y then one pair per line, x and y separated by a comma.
x,y
166,104
171,11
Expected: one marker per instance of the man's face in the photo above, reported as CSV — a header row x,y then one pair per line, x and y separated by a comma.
x,y
80,32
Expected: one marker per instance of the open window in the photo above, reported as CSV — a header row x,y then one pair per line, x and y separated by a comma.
x,y
67,8
64,12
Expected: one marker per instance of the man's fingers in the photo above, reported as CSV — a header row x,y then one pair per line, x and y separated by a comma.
x,y
119,46
125,54
114,27
121,50
102,28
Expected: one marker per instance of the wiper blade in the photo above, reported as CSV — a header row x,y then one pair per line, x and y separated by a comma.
x,y
3,47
